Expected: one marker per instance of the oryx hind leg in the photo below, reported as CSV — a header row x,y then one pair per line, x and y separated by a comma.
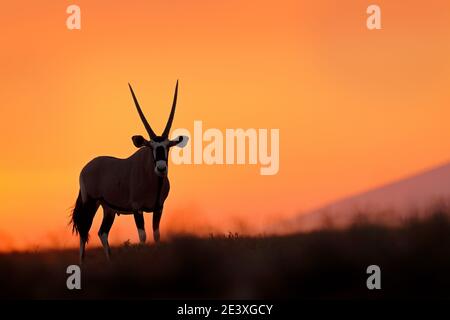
x,y
156,219
84,223
82,249
103,232
139,220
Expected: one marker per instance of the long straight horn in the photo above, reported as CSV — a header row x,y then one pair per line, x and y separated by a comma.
x,y
172,113
144,121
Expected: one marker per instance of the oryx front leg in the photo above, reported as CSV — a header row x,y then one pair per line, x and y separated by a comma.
x,y
103,232
139,220
156,218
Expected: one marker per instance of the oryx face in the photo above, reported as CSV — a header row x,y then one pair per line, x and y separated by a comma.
x,y
160,148
159,145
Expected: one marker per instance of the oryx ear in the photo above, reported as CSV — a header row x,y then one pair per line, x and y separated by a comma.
x,y
139,141
180,141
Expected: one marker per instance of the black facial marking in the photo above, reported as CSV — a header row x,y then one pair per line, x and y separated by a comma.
x,y
159,139
160,153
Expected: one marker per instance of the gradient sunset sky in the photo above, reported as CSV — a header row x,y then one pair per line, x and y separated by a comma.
x,y
355,108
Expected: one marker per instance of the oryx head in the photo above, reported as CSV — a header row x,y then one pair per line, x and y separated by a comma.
x,y
159,145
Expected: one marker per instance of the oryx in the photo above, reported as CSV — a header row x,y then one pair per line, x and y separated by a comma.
x,y
133,185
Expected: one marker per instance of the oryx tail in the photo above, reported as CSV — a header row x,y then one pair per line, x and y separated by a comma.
x,y
82,214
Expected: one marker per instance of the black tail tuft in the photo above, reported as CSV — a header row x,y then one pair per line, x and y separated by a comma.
x,y
81,218
76,215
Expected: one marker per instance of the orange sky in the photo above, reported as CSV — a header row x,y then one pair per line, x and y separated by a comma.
x,y
355,108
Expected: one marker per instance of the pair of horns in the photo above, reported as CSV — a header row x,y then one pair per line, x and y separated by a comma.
x,y
151,133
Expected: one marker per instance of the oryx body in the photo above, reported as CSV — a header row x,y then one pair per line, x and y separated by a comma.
x,y
133,185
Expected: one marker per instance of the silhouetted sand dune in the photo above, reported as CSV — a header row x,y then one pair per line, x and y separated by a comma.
x,y
414,261
389,204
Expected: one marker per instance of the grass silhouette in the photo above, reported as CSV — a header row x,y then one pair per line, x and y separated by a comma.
x,y
414,259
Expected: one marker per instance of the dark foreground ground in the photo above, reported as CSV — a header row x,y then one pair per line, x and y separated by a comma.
x,y
414,262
